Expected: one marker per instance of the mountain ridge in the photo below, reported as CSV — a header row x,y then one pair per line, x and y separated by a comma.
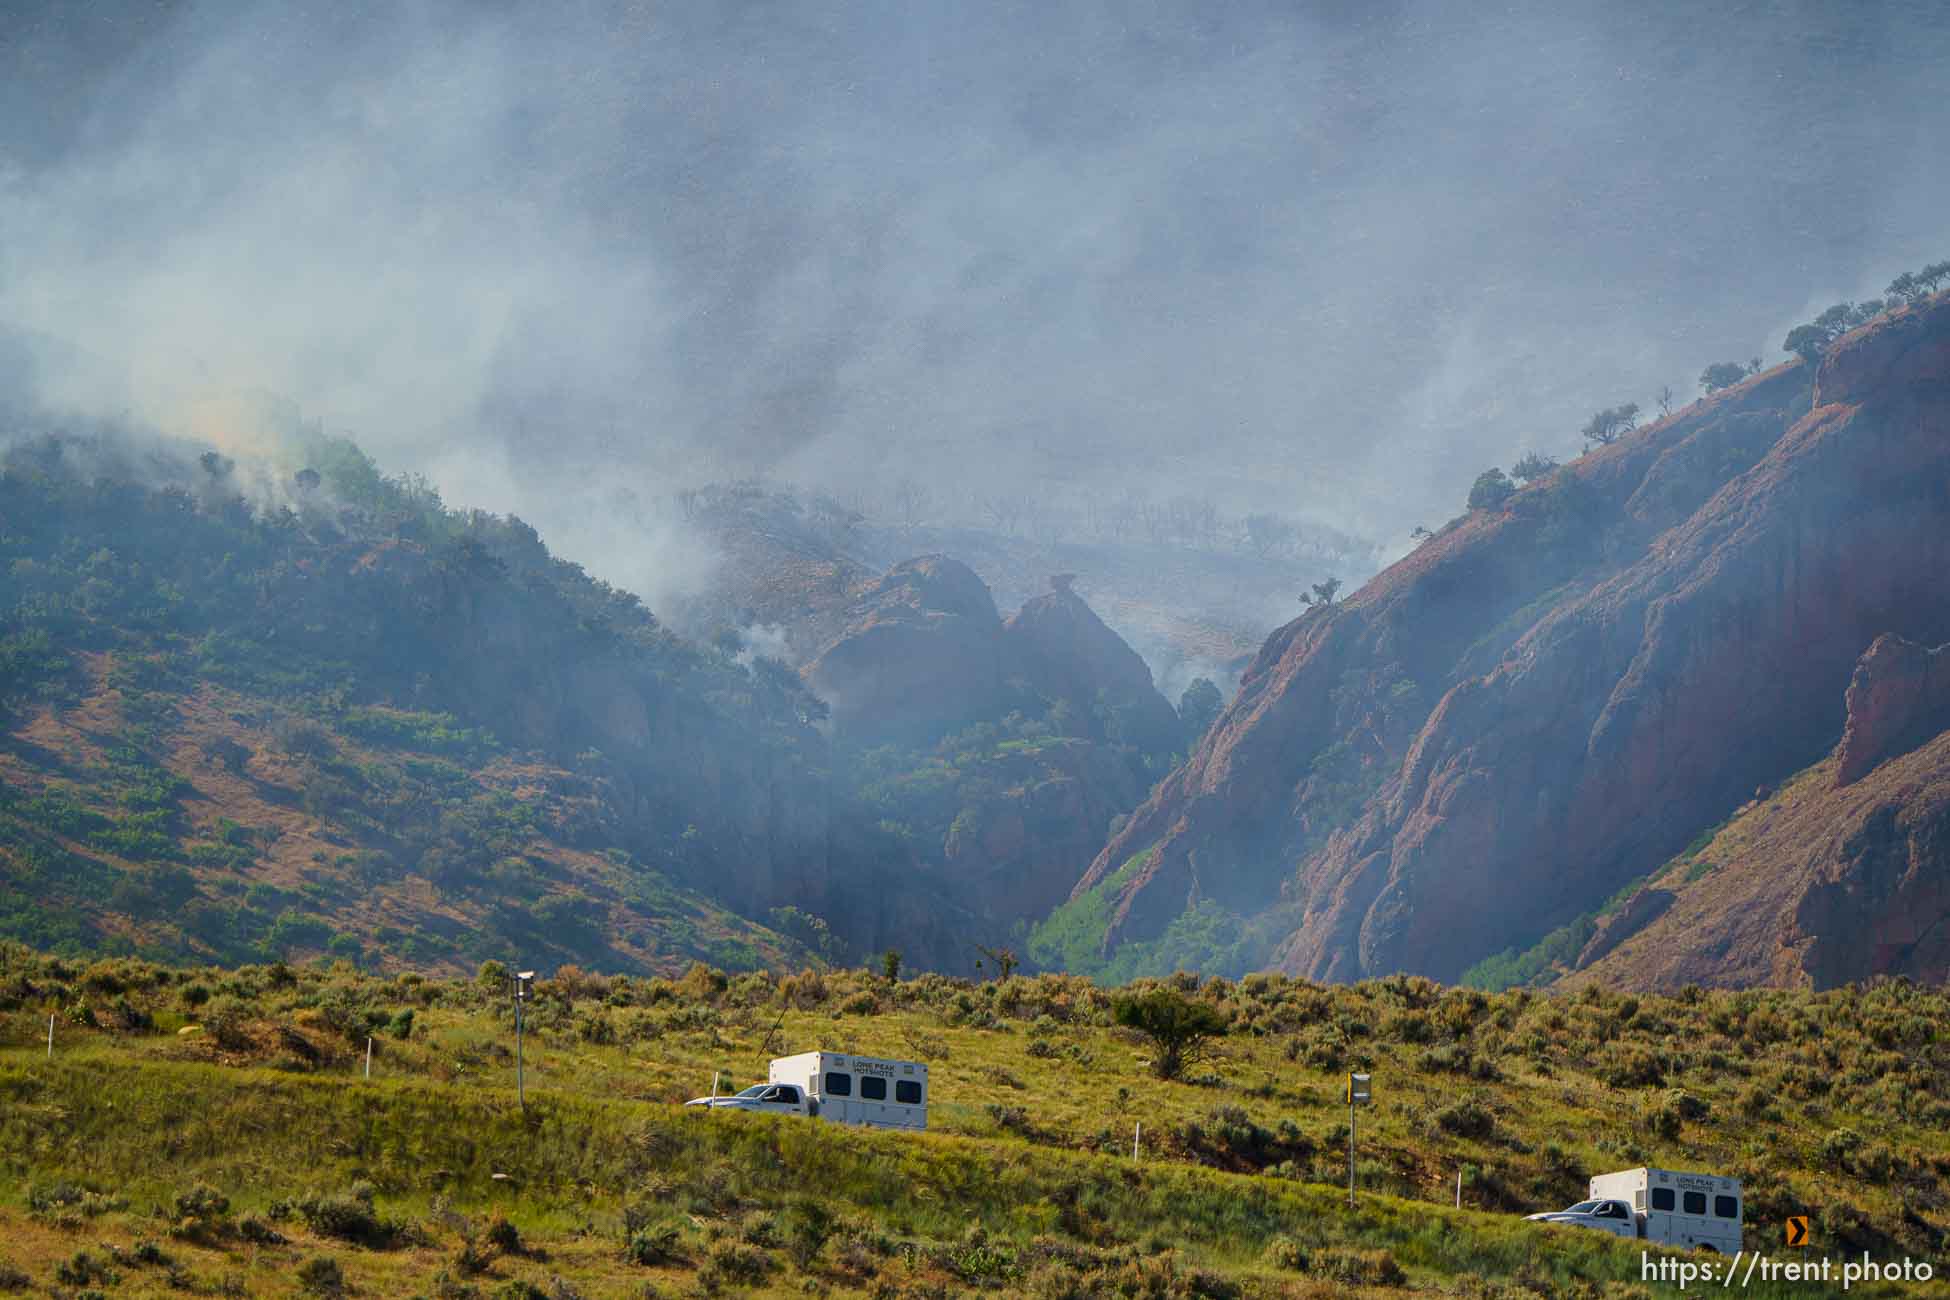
x,y
1472,743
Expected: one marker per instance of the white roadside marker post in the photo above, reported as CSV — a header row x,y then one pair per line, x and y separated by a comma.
x,y
522,980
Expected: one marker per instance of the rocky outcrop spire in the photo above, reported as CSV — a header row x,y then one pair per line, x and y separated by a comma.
x,y
1898,697
1060,646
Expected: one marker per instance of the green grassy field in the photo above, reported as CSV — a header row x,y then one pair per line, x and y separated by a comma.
x,y
228,1159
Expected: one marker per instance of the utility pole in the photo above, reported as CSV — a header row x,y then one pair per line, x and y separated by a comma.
x,y
522,981
1357,1092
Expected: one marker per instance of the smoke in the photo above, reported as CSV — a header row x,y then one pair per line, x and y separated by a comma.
x,y
764,641
1326,260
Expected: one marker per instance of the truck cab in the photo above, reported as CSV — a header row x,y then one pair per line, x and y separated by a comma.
x,y
766,1098
1615,1217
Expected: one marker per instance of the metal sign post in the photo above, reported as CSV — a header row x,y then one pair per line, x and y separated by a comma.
x,y
522,981
1357,1092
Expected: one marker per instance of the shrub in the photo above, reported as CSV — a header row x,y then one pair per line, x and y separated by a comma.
x,y
1611,424
1840,1146
1662,1119
1358,1267
808,1224
129,1018
83,1269
150,1254
1179,1029
200,1211
258,1233
1466,1117
502,1234
1491,489
1285,1252
1688,1106
321,1276
224,1020
470,1260
1636,1068
1532,467
69,1199
12,1279
1723,374
735,1263
760,1230
978,1260
652,1244
347,1215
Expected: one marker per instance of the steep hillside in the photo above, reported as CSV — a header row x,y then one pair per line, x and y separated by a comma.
x,y
357,719
1554,695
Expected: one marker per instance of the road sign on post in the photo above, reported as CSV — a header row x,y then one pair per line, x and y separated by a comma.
x,y
1357,1094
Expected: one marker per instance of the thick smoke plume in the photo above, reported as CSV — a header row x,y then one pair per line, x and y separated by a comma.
x,y
1327,260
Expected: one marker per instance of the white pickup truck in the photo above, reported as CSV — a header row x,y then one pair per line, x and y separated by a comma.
x,y
1662,1206
838,1088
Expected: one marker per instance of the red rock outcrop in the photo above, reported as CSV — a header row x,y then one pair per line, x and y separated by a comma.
x,y
1821,884
920,654
1899,696
1066,653
1550,698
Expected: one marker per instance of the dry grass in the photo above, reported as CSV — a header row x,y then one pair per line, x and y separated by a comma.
x,y
1827,1104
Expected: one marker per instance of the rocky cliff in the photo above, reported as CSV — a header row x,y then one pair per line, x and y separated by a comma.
x,y
920,652
1900,694
1843,874
1059,645
1551,697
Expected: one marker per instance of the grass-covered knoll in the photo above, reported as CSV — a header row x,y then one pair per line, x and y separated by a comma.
x,y
1830,1104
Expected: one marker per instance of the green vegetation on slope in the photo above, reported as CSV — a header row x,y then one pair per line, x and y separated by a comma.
x,y
362,723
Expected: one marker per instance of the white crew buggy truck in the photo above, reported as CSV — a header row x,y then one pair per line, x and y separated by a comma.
x,y
1661,1206
839,1088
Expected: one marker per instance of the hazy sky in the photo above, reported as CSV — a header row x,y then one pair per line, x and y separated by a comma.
x,y
1329,258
